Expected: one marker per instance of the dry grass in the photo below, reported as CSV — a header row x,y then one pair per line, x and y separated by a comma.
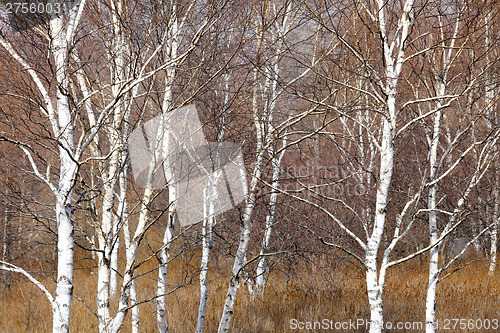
x,y
470,293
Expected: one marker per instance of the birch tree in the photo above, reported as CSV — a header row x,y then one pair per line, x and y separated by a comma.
x,y
209,219
111,115
491,95
269,128
449,57
283,25
390,104
179,30
174,34
394,45
59,113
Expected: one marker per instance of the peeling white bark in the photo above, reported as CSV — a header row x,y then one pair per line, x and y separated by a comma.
x,y
207,243
434,271
115,244
262,269
430,309
491,91
67,174
172,46
60,118
240,257
373,285
393,53
270,96
161,289
494,229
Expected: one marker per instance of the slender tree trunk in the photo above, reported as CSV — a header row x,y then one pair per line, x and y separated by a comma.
x,y
430,302
104,257
262,267
393,59
373,285
64,289
246,226
161,290
135,309
434,270
270,97
108,229
494,229
491,90
68,168
133,243
207,243
430,305
170,72
374,293
124,218
208,214
239,261
109,168
115,233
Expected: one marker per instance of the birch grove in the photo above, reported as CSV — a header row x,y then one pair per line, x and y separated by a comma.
x,y
384,89
59,115
157,156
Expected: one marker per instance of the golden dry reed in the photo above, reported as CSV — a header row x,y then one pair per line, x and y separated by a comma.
x,y
308,296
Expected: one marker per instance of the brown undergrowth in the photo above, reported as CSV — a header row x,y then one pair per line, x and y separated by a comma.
x,y
309,296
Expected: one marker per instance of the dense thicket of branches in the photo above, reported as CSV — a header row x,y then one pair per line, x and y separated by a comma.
x,y
369,133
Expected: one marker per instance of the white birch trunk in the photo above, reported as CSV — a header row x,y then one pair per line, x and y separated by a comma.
x,y
207,243
270,97
490,95
135,309
128,291
262,270
68,168
161,289
373,285
493,248
64,289
393,59
239,261
374,282
430,309
434,270
109,171
494,229
60,118
132,245
207,232
208,214
104,257
124,218
115,233
240,257
171,51
108,230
